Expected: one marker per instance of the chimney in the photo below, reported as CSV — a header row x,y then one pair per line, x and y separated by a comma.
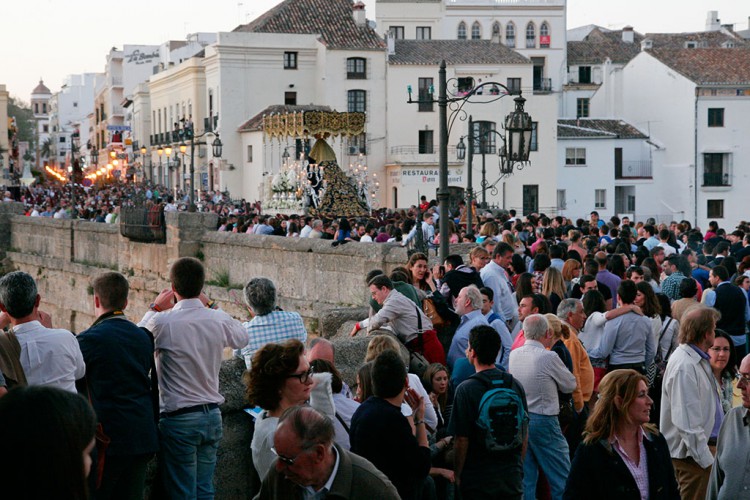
x,y
627,34
712,21
358,12
646,44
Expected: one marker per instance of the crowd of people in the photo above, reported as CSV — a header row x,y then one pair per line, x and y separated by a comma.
x,y
558,359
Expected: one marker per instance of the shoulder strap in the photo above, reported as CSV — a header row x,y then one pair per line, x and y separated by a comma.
x,y
419,330
664,329
154,376
343,424
487,380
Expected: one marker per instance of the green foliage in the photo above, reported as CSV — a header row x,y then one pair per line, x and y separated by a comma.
x,y
24,119
221,280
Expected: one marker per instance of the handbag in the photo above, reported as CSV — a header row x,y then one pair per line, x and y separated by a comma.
x,y
431,311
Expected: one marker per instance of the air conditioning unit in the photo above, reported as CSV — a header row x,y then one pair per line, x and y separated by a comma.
x,y
201,153
353,150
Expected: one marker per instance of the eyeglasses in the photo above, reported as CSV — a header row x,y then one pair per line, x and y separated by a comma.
x,y
290,461
742,379
303,377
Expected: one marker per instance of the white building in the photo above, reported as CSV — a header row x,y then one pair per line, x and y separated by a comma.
x,y
40,97
605,165
694,96
69,111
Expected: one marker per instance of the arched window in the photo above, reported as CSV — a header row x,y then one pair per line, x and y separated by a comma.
x,y
495,29
530,36
544,38
510,35
462,30
476,31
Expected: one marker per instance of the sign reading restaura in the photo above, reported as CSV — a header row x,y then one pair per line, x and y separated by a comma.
x,y
426,175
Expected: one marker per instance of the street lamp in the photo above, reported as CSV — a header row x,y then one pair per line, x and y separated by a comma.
x,y
517,125
159,152
216,147
143,160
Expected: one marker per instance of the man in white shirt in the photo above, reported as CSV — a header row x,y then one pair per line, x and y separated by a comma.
x,y
542,374
307,228
189,338
49,356
495,277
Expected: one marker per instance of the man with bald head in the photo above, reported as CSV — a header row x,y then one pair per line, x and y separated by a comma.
x,y
310,465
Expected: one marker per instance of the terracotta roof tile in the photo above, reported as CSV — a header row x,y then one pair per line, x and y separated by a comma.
x,y
708,66
331,19
599,45
597,128
703,39
431,52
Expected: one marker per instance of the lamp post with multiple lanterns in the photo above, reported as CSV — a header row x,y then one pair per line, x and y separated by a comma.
x,y
516,141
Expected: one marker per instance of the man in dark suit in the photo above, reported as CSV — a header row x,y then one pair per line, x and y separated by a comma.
x,y
119,358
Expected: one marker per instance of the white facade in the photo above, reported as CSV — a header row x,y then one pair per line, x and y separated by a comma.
x,y
245,74
674,109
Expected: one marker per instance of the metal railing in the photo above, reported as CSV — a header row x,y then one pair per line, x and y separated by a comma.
x,y
143,223
717,179
420,150
634,169
543,85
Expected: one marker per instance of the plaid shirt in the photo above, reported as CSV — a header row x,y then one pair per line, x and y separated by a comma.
x,y
275,327
640,471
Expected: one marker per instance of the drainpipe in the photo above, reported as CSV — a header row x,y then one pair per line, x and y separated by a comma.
x,y
695,159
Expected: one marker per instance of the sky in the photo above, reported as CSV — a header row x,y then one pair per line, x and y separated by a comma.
x,y
53,38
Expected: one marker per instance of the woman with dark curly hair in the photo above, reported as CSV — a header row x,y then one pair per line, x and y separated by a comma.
x,y
280,377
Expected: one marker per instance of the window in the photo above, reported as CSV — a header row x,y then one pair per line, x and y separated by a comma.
x,y
562,202
425,94
45,129
358,145
357,101
715,117
584,74
62,139
716,169
461,34
44,107
582,107
249,154
496,29
290,98
424,33
530,198
575,157
715,209
397,32
514,85
290,60
484,137
356,68
465,84
544,35
75,104
534,146
600,198
426,144
530,36
476,31
510,35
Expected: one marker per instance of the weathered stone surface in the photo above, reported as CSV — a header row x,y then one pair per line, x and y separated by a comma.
x,y
350,351
332,320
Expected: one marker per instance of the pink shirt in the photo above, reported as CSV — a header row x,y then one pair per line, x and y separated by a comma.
x,y
520,340
640,471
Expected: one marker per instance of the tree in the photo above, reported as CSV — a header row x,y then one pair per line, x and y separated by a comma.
x,y
24,119
47,149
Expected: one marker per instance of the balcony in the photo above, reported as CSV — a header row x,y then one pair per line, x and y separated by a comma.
x,y
114,81
542,85
118,111
717,179
420,154
635,169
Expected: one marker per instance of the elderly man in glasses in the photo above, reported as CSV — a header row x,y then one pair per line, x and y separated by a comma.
x,y
729,478
310,465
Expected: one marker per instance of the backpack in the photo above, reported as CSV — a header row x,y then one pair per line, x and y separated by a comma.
x,y
502,418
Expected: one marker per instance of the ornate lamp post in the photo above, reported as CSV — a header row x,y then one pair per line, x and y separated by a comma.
x,y
516,142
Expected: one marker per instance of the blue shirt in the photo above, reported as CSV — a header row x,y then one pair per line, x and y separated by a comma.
x,y
496,322
461,338
275,327
719,411
627,339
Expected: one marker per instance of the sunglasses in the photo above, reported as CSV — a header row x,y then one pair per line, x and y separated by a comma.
x,y
303,377
286,460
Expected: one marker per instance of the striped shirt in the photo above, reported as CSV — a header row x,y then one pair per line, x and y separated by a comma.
x,y
640,471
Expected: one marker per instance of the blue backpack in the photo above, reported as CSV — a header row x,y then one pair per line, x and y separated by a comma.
x,y
502,418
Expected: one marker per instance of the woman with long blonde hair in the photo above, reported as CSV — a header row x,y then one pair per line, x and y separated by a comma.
x,y
553,287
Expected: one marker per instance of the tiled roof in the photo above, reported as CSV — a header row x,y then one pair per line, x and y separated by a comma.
x,y
431,52
596,128
255,123
331,19
704,39
41,88
599,45
708,66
